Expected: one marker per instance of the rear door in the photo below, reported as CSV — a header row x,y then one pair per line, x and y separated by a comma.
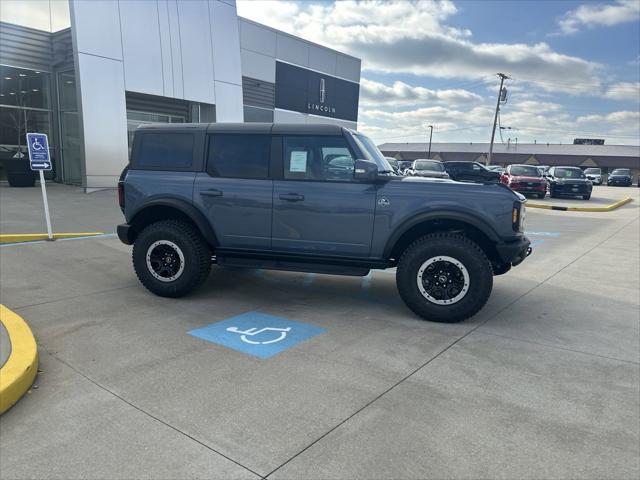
x,y
235,191
318,207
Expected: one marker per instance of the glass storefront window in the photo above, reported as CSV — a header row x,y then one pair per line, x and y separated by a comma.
x,y
24,107
24,88
136,118
67,91
69,128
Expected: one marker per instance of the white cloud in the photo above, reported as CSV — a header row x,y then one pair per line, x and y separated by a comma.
x,y
401,94
624,91
413,37
593,15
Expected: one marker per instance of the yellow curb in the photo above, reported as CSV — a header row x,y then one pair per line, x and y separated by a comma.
x,y
32,237
608,208
17,374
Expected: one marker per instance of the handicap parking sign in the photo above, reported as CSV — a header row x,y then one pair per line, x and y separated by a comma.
x,y
257,334
38,144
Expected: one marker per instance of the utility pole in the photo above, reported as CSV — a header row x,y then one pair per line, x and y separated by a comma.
x,y
495,118
430,137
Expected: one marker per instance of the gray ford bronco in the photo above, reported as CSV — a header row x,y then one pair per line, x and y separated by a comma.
x,y
311,198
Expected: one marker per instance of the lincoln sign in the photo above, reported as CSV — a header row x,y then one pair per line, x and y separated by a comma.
x,y
306,91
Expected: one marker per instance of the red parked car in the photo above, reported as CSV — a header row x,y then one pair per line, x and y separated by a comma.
x,y
525,179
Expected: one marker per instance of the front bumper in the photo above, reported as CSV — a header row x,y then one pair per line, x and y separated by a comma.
x,y
514,252
124,233
529,187
572,188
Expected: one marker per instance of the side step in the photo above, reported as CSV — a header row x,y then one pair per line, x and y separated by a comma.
x,y
228,261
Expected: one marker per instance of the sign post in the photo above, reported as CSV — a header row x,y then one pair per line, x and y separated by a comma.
x,y
38,144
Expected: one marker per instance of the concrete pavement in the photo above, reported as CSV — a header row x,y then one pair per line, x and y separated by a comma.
x,y
542,383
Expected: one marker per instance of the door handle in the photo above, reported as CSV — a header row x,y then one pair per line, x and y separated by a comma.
x,y
292,197
211,193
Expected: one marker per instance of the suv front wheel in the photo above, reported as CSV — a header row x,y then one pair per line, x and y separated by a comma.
x,y
171,258
444,277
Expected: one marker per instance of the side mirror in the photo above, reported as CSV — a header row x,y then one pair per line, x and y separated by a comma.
x,y
365,170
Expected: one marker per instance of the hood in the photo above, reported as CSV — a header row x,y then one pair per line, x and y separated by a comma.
x,y
620,175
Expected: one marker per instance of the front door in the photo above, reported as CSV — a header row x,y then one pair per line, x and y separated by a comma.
x,y
318,207
235,192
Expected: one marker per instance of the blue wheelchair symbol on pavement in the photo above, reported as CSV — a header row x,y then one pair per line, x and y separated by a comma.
x,y
257,334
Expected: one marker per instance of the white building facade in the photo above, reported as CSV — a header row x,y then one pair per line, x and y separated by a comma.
x,y
129,62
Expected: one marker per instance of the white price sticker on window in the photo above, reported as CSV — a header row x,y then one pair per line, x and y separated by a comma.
x,y
298,162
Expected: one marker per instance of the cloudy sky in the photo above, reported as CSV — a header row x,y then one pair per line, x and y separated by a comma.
x,y
574,65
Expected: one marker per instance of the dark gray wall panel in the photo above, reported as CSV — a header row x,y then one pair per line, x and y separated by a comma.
x,y
25,47
258,93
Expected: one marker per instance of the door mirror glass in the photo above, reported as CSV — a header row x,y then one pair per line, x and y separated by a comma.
x,y
365,170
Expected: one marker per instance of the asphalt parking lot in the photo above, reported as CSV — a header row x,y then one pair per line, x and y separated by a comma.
x,y
543,383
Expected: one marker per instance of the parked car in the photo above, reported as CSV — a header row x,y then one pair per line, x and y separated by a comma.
x,y
263,196
496,168
543,169
424,167
470,172
568,181
594,174
394,165
620,176
525,179
404,165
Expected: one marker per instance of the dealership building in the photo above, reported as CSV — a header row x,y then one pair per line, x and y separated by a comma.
x,y
104,67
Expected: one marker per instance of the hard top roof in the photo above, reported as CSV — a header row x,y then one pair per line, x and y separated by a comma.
x,y
276,128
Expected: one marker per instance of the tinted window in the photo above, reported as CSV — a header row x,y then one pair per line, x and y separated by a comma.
x,y
568,173
317,158
168,151
621,171
523,171
428,165
239,155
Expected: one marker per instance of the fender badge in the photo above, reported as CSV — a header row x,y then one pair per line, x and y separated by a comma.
x,y
384,202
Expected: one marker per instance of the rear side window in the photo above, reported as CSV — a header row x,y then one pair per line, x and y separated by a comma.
x,y
166,151
239,156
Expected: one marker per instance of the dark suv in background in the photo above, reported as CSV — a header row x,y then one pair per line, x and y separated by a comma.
x,y
470,172
568,182
311,198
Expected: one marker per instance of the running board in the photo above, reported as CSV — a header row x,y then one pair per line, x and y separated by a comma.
x,y
229,261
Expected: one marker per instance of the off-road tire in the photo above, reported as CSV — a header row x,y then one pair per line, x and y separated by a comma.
x,y
196,252
463,250
586,197
541,196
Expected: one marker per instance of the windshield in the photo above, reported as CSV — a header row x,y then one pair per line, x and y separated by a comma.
x,y
524,171
621,171
568,173
371,151
392,161
429,165
593,171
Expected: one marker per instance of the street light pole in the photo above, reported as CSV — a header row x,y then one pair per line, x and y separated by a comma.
x,y
495,118
430,137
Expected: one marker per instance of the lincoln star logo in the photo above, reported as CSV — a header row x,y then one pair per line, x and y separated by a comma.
x,y
320,106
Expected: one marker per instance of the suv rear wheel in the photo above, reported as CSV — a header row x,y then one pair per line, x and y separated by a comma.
x,y
171,258
444,277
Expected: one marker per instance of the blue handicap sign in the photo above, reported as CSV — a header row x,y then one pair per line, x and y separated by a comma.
x,y
257,334
38,144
